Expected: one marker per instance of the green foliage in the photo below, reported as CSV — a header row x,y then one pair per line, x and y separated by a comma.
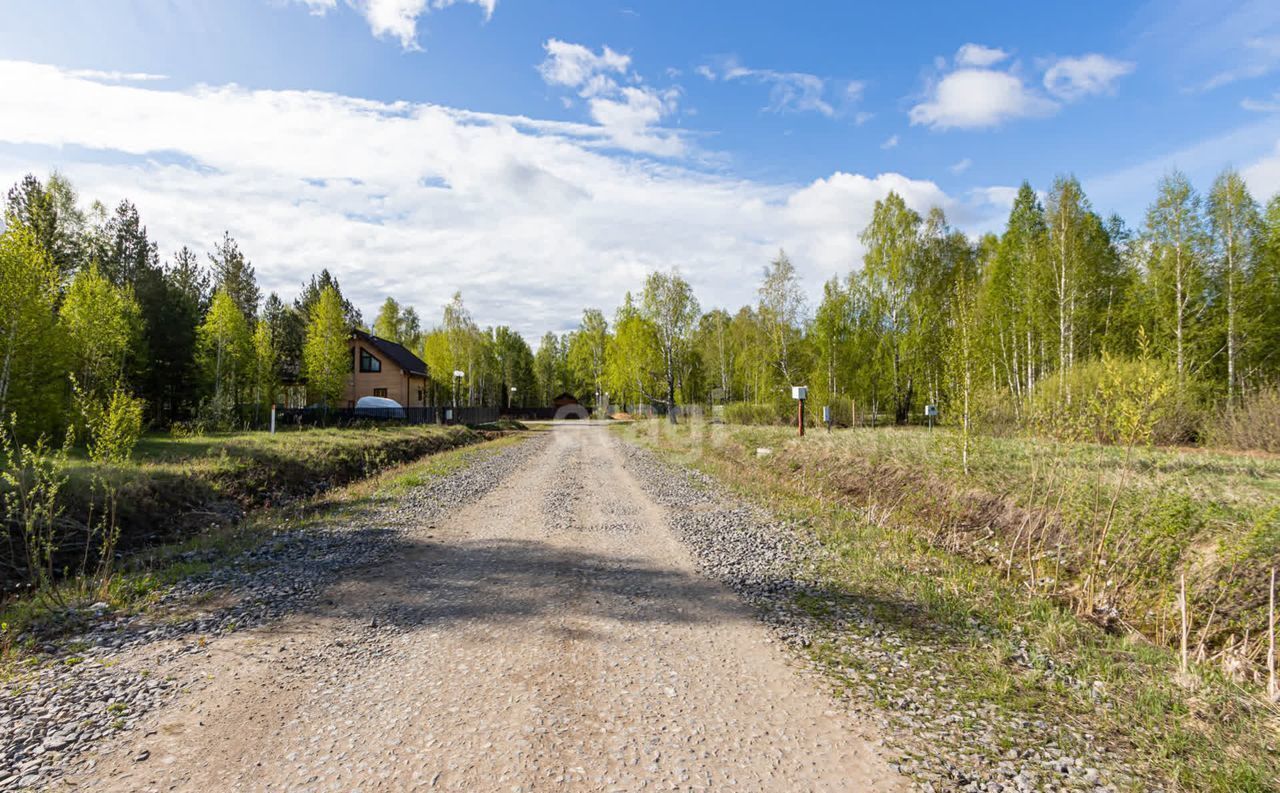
x,y
102,323
632,360
226,353
326,357
233,276
1112,400
760,414
31,478
114,424
399,324
266,365
30,342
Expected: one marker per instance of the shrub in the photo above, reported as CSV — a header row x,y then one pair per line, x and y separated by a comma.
x,y
1117,400
1253,424
750,413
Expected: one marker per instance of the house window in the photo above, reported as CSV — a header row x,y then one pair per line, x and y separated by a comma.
x,y
422,395
380,392
368,363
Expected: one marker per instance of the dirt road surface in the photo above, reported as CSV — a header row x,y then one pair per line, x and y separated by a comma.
x,y
552,635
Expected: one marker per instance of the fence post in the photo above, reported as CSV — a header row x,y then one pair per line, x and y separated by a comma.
x,y
273,418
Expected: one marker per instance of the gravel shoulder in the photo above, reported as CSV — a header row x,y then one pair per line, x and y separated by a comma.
x,y
557,616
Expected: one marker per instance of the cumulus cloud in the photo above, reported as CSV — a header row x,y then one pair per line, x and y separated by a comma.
x,y
960,167
979,55
397,19
890,143
1075,78
976,95
630,112
977,98
576,66
531,219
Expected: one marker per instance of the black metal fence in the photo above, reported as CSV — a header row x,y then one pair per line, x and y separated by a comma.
x,y
548,414
346,417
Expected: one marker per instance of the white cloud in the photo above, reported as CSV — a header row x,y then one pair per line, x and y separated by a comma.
x,y
788,91
980,56
1259,56
793,92
1130,189
531,219
576,66
397,19
116,77
890,143
319,7
1271,105
1078,77
977,98
1263,175
630,112
960,167
997,196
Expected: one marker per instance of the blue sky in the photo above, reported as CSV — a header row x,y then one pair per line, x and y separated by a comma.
x,y
541,156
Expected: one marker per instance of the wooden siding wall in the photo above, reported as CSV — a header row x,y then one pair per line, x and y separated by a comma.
x,y
400,386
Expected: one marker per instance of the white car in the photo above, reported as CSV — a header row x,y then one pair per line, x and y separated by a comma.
x,y
379,407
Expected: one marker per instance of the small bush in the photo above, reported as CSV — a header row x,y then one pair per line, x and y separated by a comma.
x,y
1253,424
751,413
1117,400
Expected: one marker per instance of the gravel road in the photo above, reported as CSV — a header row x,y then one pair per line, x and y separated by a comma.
x,y
557,617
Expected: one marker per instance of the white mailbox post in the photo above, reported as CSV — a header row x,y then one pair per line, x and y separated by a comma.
x,y
800,394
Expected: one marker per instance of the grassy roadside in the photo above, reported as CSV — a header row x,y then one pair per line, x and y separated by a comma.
x,y
34,626
175,487
982,664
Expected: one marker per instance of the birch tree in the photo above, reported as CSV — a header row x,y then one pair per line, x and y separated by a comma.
x,y
1233,220
1175,228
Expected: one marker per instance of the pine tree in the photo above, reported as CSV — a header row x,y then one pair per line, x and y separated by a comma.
x,y
50,214
233,274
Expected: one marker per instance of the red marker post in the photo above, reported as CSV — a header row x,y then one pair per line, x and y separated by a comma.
x,y
800,393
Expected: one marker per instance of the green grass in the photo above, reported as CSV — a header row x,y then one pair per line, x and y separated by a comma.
x,y
148,572
874,498
1040,510
174,486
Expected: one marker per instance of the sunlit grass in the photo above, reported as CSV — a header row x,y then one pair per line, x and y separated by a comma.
x,y
973,617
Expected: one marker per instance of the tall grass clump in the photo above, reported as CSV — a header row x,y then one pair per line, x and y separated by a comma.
x,y
1253,424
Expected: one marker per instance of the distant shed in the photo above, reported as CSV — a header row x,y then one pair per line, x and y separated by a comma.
x,y
564,400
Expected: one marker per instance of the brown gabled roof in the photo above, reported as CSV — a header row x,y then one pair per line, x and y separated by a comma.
x,y
398,354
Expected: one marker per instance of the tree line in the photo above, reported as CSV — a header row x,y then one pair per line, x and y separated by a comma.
x,y
1012,327
91,316
1008,327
